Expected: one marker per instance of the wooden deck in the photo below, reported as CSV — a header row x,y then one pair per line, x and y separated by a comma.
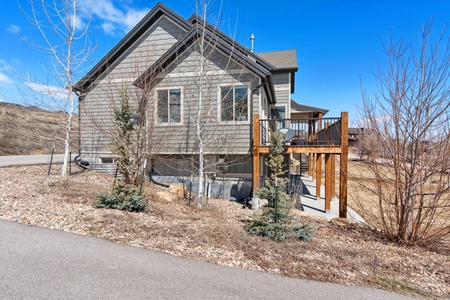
x,y
322,139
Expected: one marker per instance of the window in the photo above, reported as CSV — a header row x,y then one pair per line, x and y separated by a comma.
x,y
169,106
107,160
278,112
234,103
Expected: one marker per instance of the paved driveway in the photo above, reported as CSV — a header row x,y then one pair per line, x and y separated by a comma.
x,y
30,159
39,263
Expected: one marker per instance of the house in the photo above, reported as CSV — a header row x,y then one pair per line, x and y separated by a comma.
x,y
354,136
198,90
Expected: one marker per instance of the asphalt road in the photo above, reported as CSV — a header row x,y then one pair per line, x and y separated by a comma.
x,y
30,159
39,263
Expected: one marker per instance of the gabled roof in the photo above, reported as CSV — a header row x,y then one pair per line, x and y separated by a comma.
x,y
129,39
301,108
222,42
281,60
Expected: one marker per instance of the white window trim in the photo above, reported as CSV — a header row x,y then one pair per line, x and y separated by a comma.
x,y
219,102
181,106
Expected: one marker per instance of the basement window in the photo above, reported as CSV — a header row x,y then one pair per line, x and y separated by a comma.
x,y
107,160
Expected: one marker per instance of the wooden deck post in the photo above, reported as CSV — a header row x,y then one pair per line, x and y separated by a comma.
x,y
318,174
333,175
256,139
328,183
343,166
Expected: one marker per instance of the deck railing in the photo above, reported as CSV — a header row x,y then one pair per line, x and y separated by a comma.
x,y
307,132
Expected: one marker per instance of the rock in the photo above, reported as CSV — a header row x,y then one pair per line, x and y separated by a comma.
x,y
256,203
300,213
177,189
340,221
263,202
165,196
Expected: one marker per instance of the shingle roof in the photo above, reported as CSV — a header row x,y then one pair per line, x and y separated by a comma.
x,y
296,107
285,59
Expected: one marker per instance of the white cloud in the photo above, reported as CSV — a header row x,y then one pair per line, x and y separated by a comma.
x,y
13,29
48,90
133,17
109,28
78,21
114,19
5,79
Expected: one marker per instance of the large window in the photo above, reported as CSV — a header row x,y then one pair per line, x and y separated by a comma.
x,y
234,103
277,113
169,106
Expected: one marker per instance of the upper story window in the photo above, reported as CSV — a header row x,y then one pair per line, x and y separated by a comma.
x,y
169,106
234,103
278,113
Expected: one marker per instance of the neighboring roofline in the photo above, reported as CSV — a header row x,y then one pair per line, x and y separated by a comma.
x,y
296,107
129,39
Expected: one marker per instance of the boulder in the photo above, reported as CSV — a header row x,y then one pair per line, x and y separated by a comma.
x,y
340,221
165,196
177,189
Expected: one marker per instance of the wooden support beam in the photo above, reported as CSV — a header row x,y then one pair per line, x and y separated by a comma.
x,y
328,183
318,174
313,149
306,150
333,175
256,139
313,165
343,166
309,164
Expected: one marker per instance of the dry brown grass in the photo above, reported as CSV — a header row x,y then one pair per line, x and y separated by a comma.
x,y
362,183
26,130
351,254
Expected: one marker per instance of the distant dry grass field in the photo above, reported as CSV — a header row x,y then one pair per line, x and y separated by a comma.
x,y
26,130
360,180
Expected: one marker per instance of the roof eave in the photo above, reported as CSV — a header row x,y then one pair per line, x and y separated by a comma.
x,y
186,42
134,34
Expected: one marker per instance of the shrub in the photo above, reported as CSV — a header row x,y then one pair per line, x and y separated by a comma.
x,y
276,220
263,226
123,197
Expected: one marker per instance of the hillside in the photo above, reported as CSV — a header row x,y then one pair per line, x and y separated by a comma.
x,y
26,130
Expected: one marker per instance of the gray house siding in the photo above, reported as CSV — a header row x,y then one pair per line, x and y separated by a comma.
x,y
282,86
96,105
219,137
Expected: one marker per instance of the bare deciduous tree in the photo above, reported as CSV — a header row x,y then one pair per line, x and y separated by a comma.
x,y
409,148
64,39
216,104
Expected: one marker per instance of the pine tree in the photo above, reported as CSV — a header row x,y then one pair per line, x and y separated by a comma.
x,y
124,138
276,220
126,194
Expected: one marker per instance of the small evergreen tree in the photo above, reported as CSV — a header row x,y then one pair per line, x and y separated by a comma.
x,y
126,144
124,140
276,220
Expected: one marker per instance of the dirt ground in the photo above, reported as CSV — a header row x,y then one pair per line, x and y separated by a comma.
x,y
342,253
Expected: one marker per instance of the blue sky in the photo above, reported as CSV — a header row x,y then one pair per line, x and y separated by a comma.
x,y
337,42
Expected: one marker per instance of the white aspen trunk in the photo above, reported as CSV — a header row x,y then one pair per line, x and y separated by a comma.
x,y
67,139
199,128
